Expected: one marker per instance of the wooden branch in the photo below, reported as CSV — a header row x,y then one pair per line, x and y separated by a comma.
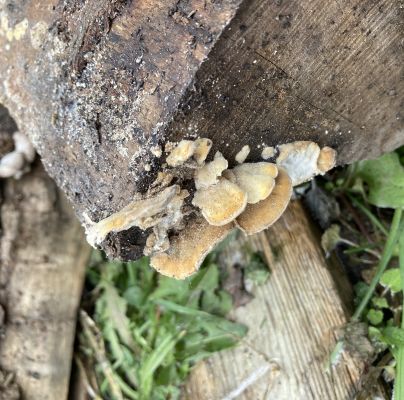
x,y
99,85
43,258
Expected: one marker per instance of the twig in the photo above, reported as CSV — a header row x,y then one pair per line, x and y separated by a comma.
x,y
89,389
366,250
356,218
375,221
92,334
251,379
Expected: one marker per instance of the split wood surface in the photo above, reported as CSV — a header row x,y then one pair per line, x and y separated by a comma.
x,y
293,322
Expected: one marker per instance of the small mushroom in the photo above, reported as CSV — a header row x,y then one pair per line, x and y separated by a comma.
x,y
202,148
209,173
23,145
256,179
260,216
242,155
181,153
11,164
326,159
220,203
189,248
267,153
299,159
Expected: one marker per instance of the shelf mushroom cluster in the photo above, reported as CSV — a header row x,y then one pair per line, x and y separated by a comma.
x,y
250,197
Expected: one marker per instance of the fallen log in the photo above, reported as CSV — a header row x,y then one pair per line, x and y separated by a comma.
x,y
43,255
101,87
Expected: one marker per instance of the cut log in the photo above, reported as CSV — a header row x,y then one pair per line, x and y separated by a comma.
x,y
327,71
293,322
43,255
99,85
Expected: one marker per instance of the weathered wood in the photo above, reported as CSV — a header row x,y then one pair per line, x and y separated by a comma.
x,y
327,71
293,320
97,84
42,261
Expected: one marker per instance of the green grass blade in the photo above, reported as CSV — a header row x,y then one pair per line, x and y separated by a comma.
x,y
153,361
126,389
373,219
386,256
399,383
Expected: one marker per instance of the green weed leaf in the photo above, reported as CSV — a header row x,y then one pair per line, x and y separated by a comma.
x,y
391,279
330,238
385,179
155,328
393,335
257,270
380,302
375,317
116,312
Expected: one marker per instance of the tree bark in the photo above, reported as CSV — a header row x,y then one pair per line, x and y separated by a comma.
x,y
43,258
98,84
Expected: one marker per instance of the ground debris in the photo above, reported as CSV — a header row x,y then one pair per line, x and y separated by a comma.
x,y
8,387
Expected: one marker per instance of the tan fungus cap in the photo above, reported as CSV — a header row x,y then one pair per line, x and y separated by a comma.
x,y
256,179
202,148
260,216
326,159
189,249
181,153
209,173
220,203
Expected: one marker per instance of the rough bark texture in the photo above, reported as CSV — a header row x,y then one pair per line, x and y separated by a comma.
x,y
43,255
293,322
98,83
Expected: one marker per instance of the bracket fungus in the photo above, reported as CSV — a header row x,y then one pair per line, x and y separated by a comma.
x,y
185,149
267,153
263,214
208,174
249,196
11,164
256,179
144,213
242,155
172,219
202,148
181,153
188,250
303,160
326,160
220,203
